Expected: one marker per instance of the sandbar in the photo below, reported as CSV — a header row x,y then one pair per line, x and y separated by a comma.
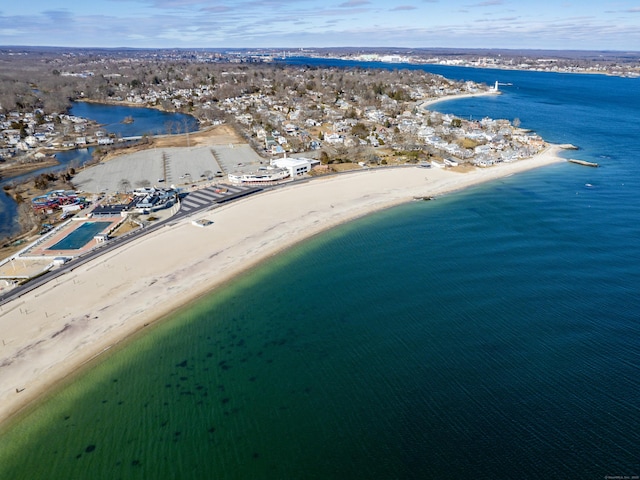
x,y
53,330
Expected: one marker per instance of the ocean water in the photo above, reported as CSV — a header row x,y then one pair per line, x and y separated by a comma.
x,y
492,333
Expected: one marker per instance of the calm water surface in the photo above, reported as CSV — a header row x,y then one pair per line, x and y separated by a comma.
x,y
146,121
492,333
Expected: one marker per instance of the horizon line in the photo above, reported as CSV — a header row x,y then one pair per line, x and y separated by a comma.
x,y
528,49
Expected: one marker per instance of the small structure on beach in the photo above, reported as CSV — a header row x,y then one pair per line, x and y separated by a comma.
x,y
202,222
59,261
101,237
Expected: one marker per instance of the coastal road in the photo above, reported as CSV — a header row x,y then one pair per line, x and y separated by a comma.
x,y
191,204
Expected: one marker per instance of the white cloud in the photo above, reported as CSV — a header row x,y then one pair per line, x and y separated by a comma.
x,y
488,3
354,3
308,23
403,7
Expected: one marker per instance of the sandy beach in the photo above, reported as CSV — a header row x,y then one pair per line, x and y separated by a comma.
x,y
426,103
52,331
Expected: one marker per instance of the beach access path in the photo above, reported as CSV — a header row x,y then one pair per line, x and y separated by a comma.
x,y
50,332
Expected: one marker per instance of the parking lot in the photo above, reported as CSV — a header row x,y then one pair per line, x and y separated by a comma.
x,y
167,166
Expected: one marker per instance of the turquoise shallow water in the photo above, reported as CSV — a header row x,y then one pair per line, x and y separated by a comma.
x,y
488,334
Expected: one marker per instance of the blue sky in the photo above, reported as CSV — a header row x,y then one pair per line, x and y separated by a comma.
x,y
543,24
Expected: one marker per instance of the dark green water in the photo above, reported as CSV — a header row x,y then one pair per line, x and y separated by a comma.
x,y
488,334
470,346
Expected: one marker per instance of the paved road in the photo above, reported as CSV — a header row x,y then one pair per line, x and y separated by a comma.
x,y
192,203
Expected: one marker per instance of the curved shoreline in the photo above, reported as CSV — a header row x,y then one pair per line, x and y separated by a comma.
x,y
432,101
46,337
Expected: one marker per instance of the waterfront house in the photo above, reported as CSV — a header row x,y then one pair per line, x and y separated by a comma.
x,y
449,162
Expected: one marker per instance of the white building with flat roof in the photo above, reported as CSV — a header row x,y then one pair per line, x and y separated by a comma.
x,y
295,166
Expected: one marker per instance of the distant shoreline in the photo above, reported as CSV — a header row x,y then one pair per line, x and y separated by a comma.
x,y
46,338
479,67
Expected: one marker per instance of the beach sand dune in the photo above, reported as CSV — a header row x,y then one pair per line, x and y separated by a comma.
x,y
52,331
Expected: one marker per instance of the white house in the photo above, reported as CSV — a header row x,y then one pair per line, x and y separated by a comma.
x,y
31,141
334,138
449,162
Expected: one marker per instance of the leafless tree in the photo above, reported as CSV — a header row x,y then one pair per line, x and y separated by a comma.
x,y
125,185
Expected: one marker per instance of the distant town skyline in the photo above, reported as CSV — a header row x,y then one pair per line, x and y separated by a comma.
x,y
505,24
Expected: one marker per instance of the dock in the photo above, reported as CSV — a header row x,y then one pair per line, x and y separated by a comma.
x,y
583,162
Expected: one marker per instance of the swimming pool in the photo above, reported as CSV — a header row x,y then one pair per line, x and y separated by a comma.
x,y
80,236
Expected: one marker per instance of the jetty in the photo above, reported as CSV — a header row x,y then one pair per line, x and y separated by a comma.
x,y
583,162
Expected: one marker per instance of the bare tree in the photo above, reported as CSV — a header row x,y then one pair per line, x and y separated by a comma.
x,y
125,185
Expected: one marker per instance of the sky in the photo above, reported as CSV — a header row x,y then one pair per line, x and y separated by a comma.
x,y
515,24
